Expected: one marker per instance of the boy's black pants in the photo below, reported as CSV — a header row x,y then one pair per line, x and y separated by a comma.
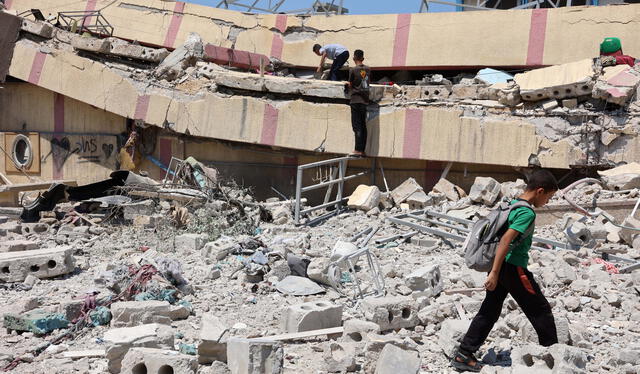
x,y
519,283
359,125
338,63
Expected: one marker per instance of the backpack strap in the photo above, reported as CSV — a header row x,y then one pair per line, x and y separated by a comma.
x,y
519,204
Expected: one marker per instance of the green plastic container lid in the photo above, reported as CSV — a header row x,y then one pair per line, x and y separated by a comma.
x,y
610,45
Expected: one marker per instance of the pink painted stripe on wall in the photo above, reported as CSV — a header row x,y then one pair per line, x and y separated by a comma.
x,y
58,127
90,7
537,35
36,67
8,3
174,25
269,125
277,42
412,133
142,106
401,42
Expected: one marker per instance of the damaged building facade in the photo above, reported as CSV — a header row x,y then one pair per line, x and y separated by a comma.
x,y
71,102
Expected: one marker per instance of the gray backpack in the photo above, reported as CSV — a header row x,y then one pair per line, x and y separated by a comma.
x,y
482,242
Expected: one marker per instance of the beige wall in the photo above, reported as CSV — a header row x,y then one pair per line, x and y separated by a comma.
x,y
474,39
85,149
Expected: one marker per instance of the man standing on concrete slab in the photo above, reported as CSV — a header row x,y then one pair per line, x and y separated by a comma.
x,y
336,52
359,85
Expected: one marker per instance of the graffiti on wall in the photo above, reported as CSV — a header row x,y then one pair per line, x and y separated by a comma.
x,y
100,149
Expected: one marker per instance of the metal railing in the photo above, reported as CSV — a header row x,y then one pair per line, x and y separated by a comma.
x,y
92,22
336,176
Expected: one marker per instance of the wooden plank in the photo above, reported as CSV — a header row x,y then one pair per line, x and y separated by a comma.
x,y
82,354
303,334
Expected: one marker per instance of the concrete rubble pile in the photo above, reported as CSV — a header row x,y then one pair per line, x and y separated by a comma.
x,y
211,291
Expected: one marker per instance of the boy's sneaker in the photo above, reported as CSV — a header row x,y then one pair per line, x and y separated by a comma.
x,y
466,362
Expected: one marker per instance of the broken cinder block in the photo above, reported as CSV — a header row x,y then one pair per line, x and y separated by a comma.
x,y
314,315
37,321
395,360
426,279
120,340
41,263
391,313
451,333
133,313
340,357
450,190
406,189
160,361
485,190
213,336
189,242
254,356
356,330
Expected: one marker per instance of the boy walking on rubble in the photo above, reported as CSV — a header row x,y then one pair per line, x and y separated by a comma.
x,y
359,85
509,275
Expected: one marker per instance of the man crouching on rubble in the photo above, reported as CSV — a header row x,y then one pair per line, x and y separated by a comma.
x,y
509,275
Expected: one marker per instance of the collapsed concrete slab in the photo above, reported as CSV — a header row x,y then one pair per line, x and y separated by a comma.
x,y
17,245
134,313
120,340
158,361
254,356
309,316
390,312
213,340
557,82
40,263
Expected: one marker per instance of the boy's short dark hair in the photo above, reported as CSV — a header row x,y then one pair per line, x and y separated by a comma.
x,y
316,47
542,179
358,54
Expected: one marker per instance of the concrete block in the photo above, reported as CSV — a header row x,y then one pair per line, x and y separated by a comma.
x,y
391,313
147,221
617,85
189,242
364,198
395,360
34,228
158,361
620,182
418,200
406,189
550,105
39,28
122,48
134,313
89,44
356,330
314,315
485,190
41,263
254,356
512,190
450,190
213,340
558,358
14,227
340,357
36,321
412,92
17,245
318,270
426,278
466,91
435,92
219,249
119,341
451,333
